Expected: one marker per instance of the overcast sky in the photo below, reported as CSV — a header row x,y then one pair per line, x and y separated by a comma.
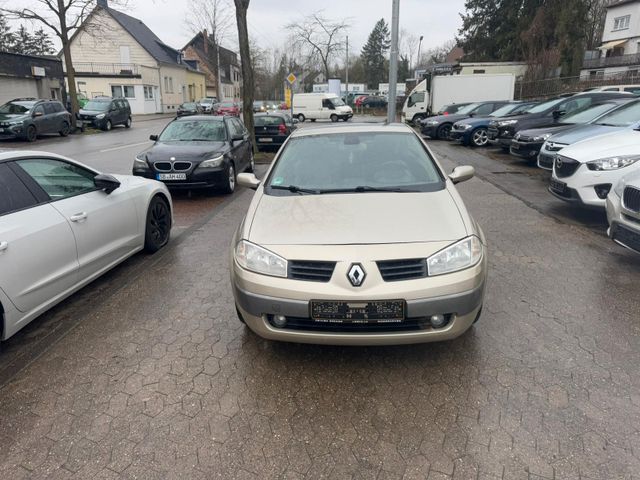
x,y
437,20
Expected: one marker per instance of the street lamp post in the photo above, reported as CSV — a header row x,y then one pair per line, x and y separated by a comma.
x,y
418,58
393,63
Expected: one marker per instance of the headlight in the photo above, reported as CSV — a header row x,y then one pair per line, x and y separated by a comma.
x,y
505,123
13,124
463,254
100,116
212,162
541,138
432,122
554,147
613,163
464,126
260,260
140,162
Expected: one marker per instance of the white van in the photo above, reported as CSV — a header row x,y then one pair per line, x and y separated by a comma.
x,y
320,106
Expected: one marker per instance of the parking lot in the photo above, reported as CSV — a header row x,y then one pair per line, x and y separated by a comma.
x,y
147,372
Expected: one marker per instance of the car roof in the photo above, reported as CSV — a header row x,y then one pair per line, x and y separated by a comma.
x,y
190,118
9,155
352,128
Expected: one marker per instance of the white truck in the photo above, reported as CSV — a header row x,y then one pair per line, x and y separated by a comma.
x,y
434,92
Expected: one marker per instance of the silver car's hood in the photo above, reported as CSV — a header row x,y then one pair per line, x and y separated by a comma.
x,y
359,218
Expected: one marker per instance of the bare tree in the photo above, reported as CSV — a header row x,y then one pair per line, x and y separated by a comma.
x,y
216,17
247,68
408,43
63,18
322,36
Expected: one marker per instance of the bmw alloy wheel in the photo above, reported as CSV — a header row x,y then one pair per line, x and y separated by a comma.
x,y
479,137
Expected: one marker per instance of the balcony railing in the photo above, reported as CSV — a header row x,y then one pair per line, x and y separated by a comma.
x,y
107,69
617,61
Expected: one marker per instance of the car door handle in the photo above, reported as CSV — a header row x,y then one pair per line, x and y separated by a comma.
x,y
4,246
78,217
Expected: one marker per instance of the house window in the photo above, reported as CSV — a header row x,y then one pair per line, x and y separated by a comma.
x,y
148,92
478,71
123,91
129,91
621,23
171,84
116,91
168,84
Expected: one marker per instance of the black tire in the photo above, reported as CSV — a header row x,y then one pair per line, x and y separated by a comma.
x,y
108,126
479,137
127,124
230,185
158,226
334,117
417,117
301,118
252,164
345,119
31,134
443,131
65,129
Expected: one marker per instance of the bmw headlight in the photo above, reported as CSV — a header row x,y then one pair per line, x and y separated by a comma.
x,y
613,163
100,116
459,256
260,260
212,162
432,122
140,162
505,123
541,138
465,126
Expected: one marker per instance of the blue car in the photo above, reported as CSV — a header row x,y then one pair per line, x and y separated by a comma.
x,y
473,131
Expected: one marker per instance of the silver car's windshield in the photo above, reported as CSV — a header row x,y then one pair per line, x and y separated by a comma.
x,y
624,116
588,114
355,162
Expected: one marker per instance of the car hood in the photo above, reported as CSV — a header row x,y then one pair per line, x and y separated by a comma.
x,y
92,112
359,218
534,132
192,151
581,132
625,142
10,117
476,121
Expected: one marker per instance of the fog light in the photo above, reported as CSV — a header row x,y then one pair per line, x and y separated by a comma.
x,y
279,321
438,321
602,190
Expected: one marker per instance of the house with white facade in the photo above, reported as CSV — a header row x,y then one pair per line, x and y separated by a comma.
x,y
619,52
117,55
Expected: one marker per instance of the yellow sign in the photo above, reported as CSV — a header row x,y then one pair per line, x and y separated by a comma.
x,y
287,97
291,78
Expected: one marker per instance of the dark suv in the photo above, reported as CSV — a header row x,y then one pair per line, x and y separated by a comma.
x,y
26,118
106,112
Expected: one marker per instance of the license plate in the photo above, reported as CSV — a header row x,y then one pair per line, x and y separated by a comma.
x,y
265,140
557,186
171,176
358,312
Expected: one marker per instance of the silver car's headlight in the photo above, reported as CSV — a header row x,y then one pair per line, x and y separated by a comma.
x,y
100,116
212,162
504,123
260,260
613,163
463,254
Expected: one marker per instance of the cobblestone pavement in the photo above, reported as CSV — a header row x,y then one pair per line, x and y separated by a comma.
x,y
160,380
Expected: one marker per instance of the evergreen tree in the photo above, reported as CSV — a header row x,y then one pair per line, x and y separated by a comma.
x,y
42,44
7,38
373,54
24,42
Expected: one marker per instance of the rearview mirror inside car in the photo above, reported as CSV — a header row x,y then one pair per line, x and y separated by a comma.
x,y
153,137
462,174
248,180
105,182
558,113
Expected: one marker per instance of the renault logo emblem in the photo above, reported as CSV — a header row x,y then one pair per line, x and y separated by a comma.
x,y
356,274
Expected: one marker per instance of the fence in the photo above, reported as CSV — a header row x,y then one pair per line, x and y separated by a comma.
x,y
551,87
106,69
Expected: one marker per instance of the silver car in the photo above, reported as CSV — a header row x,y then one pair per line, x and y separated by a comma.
x,y
357,237
623,212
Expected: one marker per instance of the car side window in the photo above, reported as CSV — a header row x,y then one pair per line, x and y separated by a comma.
x,y
38,109
326,103
57,178
14,195
239,126
49,108
233,129
577,104
485,109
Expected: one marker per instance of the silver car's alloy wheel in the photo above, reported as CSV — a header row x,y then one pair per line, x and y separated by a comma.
x,y
480,137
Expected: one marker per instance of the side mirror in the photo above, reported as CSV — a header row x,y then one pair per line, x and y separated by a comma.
x,y
557,114
472,114
105,182
462,174
295,120
37,114
237,136
248,180
153,138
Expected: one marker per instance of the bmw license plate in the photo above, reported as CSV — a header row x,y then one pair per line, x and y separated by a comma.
x,y
557,186
358,312
265,140
171,176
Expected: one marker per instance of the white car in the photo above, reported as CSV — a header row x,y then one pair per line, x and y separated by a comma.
x,y
623,212
63,224
585,172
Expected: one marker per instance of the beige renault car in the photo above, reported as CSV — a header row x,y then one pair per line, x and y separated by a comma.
x,y
356,236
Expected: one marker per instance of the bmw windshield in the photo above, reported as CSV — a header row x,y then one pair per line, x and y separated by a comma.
x,y
354,162
194,131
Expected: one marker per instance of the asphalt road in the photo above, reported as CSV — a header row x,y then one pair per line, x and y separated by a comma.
x,y
147,373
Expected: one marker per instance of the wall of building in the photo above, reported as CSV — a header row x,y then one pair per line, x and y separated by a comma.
x,y
173,84
15,87
190,53
195,85
489,68
140,103
632,9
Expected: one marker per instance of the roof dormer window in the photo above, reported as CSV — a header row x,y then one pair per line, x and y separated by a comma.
x,y
621,23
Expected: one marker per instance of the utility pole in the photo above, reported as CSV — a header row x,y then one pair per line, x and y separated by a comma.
x,y
393,63
418,59
347,72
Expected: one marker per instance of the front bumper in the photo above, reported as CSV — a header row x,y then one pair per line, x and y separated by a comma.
x,y
582,186
500,136
12,132
459,295
528,150
94,122
195,179
624,225
545,160
463,136
429,130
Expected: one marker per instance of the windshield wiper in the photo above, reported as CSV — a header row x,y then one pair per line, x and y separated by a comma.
x,y
367,188
295,189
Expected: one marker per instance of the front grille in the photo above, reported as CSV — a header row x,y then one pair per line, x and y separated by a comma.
x,y
545,161
627,237
162,166
405,269
407,325
312,271
631,199
565,167
181,166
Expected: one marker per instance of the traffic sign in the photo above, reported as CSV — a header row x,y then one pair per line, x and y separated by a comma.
x,y
291,78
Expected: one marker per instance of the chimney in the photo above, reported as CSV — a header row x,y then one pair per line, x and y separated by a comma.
x,y
103,3
206,42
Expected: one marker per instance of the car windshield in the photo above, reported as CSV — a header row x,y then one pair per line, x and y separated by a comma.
x,y
624,116
194,131
469,108
16,108
268,121
188,105
589,114
355,162
226,105
505,110
337,102
543,107
206,100
97,105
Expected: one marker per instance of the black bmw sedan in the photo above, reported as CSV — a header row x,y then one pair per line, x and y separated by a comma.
x,y
198,152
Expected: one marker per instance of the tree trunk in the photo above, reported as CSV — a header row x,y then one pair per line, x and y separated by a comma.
x,y
66,50
247,68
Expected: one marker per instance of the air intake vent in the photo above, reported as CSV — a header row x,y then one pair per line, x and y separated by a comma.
x,y
406,269
311,270
631,199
